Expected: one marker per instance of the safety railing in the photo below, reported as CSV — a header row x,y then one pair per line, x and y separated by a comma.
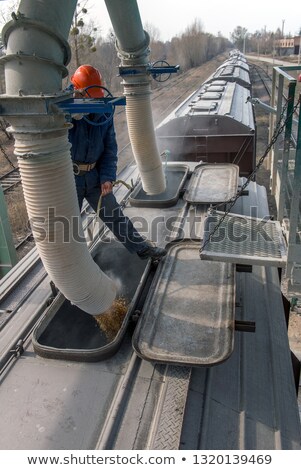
x,y
285,166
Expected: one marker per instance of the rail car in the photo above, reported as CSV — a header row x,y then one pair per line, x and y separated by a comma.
x,y
233,70
196,362
216,123
168,381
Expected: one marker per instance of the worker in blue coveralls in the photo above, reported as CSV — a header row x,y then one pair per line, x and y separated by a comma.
x,y
94,155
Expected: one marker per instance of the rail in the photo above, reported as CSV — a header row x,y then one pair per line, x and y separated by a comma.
x,y
10,180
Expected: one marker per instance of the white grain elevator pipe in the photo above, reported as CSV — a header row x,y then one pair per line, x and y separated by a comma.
x,y
37,53
133,49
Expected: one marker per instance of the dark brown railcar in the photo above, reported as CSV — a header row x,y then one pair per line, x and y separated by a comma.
x,y
215,124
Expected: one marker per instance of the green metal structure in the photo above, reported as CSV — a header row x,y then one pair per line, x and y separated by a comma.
x,y
8,254
286,170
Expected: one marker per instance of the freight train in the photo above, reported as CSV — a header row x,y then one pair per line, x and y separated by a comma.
x,y
201,359
216,123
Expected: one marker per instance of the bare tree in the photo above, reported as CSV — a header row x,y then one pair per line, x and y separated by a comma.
x,y
193,45
153,32
82,36
238,36
7,10
157,47
107,61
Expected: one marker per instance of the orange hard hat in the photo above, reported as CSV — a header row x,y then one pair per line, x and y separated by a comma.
x,y
88,76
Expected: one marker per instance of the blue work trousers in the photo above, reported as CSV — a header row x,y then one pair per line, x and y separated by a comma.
x,y
112,215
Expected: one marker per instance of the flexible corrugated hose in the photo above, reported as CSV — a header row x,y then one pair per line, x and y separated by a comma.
x,y
51,201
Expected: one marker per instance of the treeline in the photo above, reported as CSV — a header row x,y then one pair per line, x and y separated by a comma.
x,y
88,46
262,42
190,49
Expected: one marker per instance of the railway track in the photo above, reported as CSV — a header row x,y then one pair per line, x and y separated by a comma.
x,y
10,180
260,75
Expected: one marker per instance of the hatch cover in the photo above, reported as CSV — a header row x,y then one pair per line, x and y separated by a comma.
x,y
204,106
188,315
219,83
215,88
244,240
210,95
212,183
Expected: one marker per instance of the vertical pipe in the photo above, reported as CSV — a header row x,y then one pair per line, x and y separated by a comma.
x,y
132,45
127,24
37,48
37,55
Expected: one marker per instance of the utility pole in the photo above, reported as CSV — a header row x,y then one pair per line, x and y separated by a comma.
x,y
244,42
282,32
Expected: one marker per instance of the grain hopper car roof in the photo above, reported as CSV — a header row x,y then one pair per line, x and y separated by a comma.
x,y
126,402
214,100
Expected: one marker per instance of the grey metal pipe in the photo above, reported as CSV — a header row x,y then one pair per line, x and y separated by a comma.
x,y
37,55
126,22
133,49
37,47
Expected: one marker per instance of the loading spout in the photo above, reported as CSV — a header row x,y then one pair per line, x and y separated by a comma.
x,y
133,48
36,59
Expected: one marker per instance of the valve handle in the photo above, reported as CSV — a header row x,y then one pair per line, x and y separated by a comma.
x,y
159,76
108,116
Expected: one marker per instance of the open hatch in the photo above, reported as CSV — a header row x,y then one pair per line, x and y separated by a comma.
x,y
175,179
188,315
67,332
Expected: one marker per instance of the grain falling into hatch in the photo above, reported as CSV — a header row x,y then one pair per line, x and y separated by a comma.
x,y
110,321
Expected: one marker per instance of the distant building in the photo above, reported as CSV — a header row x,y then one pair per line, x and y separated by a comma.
x,y
288,46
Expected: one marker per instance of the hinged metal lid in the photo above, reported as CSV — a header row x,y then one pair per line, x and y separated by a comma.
x,y
212,183
219,82
215,88
210,95
188,316
243,240
204,106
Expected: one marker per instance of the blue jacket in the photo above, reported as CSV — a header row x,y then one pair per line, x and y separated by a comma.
x,y
94,144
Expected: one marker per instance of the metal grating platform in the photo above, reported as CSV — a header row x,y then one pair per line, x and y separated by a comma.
x,y
243,240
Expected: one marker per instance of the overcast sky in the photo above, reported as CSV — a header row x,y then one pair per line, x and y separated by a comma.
x,y
171,17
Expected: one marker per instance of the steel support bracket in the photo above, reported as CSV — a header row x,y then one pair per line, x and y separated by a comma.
x,y
149,69
19,349
90,105
63,102
266,107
